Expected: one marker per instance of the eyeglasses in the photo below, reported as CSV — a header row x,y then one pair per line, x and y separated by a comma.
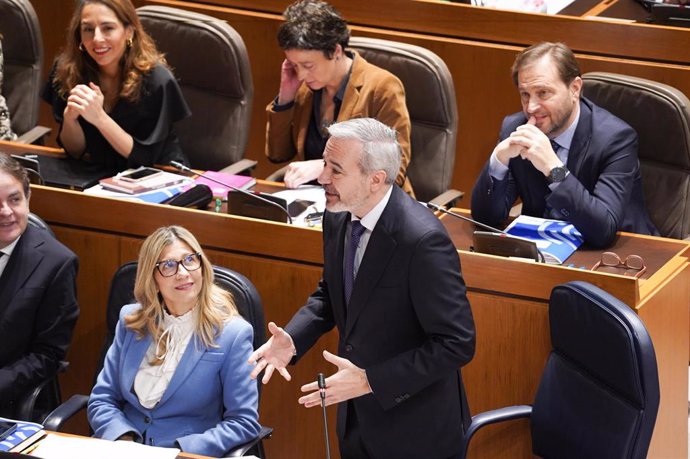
x,y
612,260
168,268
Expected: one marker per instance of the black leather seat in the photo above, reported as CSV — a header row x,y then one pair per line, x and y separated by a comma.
x,y
661,116
211,63
599,394
430,99
23,52
248,303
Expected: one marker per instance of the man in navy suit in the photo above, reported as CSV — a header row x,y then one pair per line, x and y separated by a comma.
x,y
399,302
38,304
563,156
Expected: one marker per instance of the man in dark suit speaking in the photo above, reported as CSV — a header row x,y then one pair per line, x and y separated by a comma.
x,y
392,285
565,157
38,304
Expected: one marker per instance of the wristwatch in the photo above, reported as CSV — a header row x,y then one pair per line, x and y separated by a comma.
x,y
557,174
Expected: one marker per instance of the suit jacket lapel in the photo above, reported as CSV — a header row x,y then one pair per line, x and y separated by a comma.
x,y
302,119
580,143
189,360
335,247
378,253
134,354
23,262
352,90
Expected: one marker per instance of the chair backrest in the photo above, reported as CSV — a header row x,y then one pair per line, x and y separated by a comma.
x,y
23,52
661,116
210,60
430,99
37,222
246,297
599,393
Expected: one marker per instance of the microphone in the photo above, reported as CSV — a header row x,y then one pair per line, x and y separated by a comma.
x,y
322,391
433,206
182,167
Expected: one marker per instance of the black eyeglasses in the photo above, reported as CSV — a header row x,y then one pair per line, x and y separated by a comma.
x,y
612,260
168,268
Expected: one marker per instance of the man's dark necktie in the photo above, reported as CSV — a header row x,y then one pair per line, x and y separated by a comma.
x,y
349,275
548,211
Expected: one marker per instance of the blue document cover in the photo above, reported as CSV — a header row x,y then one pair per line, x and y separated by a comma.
x,y
17,435
555,239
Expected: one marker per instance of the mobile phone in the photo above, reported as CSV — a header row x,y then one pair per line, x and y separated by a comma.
x,y
7,428
139,174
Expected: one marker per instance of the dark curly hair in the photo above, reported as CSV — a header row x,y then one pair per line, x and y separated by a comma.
x,y
313,25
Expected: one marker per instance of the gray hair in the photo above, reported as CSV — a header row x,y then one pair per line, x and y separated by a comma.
x,y
380,147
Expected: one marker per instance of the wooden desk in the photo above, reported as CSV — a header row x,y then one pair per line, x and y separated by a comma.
x,y
509,301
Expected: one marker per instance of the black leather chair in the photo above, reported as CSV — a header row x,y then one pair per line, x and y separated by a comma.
x,y
430,99
248,303
36,402
211,63
661,116
599,393
23,51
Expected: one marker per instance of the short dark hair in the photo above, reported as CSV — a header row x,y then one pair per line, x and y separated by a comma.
x,y
10,166
562,57
313,25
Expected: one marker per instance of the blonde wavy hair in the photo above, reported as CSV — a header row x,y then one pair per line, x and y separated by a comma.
x,y
75,67
215,305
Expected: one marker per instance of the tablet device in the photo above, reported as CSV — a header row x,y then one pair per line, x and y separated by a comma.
x,y
504,245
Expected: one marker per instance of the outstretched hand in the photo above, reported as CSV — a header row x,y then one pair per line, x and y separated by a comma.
x,y
347,383
275,354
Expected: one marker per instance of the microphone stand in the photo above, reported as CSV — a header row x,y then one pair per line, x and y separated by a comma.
x,y
322,392
433,206
182,167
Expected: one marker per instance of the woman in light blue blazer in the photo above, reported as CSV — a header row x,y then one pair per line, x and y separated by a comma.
x,y
176,374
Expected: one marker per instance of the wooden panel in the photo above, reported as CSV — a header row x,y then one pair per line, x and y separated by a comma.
x,y
666,316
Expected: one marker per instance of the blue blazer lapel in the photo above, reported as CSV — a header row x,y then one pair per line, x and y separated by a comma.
x,y
375,261
134,354
189,360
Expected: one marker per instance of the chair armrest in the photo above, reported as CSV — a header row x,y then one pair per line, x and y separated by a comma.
x,y
243,165
494,416
27,402
243,449
448,198
34,134
278,175
56,418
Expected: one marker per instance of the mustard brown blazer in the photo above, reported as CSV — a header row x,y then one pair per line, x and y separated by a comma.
x,y
372,92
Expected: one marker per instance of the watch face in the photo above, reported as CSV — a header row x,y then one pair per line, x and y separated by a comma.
x,y
558,174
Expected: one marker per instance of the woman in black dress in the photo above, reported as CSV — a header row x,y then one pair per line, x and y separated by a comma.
x,y
112,92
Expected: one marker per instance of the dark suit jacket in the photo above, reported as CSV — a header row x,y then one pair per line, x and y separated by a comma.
x,y
601,195
408,324
38,311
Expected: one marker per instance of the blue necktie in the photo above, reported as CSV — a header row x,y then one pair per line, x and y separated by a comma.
x,y
555,146
349,275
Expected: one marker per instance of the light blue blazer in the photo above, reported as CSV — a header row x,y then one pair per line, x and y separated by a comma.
x,y
209,407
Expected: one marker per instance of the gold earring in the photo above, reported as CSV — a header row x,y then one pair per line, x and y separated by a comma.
x,y
81,47
129,42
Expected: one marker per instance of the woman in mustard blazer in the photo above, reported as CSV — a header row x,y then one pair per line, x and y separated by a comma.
x,y
321,83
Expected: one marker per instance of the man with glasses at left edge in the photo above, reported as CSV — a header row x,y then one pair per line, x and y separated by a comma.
x,y
38,303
